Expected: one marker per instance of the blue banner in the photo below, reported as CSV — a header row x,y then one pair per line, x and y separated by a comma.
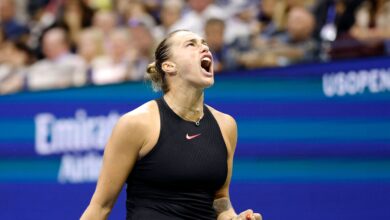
x,y
314,142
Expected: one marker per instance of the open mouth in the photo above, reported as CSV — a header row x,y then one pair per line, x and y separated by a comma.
x,y
205,63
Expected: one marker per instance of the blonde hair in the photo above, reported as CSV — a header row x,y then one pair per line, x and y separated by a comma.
x,y
158,79
154,70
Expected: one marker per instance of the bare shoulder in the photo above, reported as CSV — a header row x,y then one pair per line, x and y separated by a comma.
x,y
137,124
224,120
140,116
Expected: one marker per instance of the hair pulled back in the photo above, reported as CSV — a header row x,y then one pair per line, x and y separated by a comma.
x,y
154,70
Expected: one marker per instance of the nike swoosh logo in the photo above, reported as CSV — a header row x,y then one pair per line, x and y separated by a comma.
x,y
192,136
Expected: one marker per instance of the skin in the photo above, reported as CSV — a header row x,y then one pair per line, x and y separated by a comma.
x,y
135,134
54,44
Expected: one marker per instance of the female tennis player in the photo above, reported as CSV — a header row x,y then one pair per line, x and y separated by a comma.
x,y
175,153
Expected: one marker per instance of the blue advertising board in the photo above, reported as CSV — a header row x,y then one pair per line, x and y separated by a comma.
x,y
314,142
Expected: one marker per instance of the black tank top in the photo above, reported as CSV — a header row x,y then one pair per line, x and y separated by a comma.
x,y
179,177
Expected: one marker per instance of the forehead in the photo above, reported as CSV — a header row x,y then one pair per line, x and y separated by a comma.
x,y
183,36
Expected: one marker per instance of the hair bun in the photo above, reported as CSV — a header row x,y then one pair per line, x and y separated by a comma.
x,y
154,76
151,68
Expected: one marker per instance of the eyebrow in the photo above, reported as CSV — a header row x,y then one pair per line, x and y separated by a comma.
x,y
193,40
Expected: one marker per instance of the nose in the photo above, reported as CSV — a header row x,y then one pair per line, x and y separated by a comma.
x,y
204,48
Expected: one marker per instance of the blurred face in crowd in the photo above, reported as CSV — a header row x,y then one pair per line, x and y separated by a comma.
x,y
300,23
16,56
7,10
144,39
199,5
214,33
90,44
119,42
171,12
190,61
105,21
54,43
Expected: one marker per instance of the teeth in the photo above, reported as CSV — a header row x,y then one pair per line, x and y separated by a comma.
x,y
206,59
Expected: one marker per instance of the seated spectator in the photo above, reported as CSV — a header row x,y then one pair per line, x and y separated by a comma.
x,y
214,36
372,21
41,18
292,46
197,15
90,44
75,15
242,23
89,47
270,17
366,36
14,30
106,22
170,15
14,60
117,65
135,13
296,43
333,20
60,68
143,49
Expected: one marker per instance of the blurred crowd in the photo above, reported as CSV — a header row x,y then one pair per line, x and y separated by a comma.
x,y
46,44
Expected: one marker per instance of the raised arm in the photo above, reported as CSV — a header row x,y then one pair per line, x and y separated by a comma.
x,y
222,204
120,155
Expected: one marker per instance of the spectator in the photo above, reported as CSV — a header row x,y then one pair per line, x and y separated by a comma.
x,y
292,46
372,21
170,15
363,38
90,44
60,68
14,30
144,49
242,23
135,13
40,20
334,18
106,22
197,15
89,47
297,44
153,8
117,65
76,15
15,57
214,36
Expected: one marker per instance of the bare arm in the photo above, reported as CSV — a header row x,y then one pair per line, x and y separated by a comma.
x,y
222,204
120,155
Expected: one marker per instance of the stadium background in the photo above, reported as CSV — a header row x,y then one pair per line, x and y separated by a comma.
x,y
314,132
300,155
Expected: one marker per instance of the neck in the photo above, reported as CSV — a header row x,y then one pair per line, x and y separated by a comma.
x,y
187,103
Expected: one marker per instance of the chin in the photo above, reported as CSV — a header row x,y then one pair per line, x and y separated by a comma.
x,y
208,83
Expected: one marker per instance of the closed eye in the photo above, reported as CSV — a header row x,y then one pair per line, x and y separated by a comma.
x,y
190,44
